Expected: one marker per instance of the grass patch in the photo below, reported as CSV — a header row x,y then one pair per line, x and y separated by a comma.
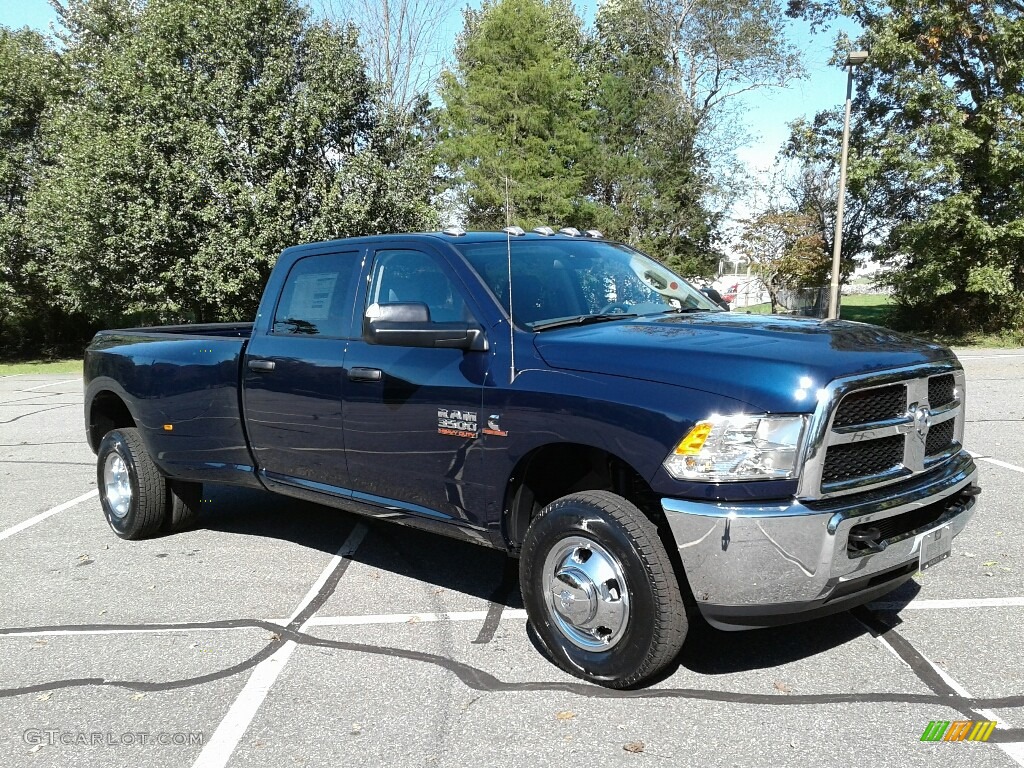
x,y
875,308
41,366
866,308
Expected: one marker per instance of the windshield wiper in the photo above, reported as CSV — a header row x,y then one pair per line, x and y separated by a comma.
x,y
581,320
684,310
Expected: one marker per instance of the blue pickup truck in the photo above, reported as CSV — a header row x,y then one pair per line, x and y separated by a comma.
x,y
648,457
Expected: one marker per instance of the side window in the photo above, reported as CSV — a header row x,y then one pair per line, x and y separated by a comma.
x,y
316,299
414,276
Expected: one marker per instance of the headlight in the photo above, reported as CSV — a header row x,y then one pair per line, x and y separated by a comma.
x,y
742,447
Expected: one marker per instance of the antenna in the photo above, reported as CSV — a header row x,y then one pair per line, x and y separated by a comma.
x,y
509,232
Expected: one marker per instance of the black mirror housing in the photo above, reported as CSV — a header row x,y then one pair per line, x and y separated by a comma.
x,y
409,325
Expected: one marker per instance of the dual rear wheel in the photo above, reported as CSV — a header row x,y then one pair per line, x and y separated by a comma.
x,y
137,500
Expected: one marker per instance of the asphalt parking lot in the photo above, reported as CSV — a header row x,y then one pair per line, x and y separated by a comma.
x,y
279,633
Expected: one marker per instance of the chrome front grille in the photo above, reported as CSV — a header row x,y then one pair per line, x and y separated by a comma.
x,y
880,428
872,405
868,459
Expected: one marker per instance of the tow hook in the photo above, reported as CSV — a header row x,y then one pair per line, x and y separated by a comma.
x,y
868,538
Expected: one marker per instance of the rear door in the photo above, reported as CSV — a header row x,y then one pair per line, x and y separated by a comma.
x,y
293,375
412,415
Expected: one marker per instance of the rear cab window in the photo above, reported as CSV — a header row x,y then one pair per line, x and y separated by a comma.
x,y
317,297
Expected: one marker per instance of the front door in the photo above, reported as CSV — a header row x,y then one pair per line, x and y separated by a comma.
x,y
412,414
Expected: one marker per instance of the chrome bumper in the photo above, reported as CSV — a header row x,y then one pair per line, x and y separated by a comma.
x,y
757,564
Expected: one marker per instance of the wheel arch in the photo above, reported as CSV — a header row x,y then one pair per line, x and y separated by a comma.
x,y
553,470
107,410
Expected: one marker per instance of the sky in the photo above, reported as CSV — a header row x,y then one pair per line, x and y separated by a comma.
x,y
768,111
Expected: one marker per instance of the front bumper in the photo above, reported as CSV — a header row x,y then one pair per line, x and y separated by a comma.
x,y
761,564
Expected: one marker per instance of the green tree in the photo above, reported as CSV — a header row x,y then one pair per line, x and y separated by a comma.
x,y
942,108
515,123
784,247
669,76
29,82
202,137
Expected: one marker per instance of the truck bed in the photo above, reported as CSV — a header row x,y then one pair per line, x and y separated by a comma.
x,y
183,384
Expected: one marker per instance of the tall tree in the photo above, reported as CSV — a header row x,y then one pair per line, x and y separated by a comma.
x,y
29,82
202,137
669,75
811,182
402,42
516,120
785,250
942,105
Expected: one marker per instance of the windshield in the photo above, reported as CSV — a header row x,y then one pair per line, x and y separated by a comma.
x,y
561,279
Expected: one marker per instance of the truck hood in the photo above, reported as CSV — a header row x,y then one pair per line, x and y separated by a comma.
x,y
772,364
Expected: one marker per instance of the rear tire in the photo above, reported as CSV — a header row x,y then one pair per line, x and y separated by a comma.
x,y
600,590
133,493
184,503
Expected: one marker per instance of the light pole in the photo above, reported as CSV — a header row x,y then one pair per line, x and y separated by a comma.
x,y
853,59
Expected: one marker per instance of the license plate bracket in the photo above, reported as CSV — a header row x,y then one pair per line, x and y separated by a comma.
x,y
936,546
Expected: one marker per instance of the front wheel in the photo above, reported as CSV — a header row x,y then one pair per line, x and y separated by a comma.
x,y
600,590
132,490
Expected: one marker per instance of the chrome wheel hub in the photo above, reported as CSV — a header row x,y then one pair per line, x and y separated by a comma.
x,y
117,486
586,593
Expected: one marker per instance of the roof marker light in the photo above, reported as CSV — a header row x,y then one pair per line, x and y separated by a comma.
x,y
546,231
594,233
454,231
513,230
570,231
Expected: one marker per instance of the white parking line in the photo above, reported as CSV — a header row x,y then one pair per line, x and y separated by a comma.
x,y
1014,750
123,631
222,744
51,384
997,462
48,513
409,618
933,605
988,357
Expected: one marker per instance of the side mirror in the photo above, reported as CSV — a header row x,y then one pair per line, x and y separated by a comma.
x,y
408,324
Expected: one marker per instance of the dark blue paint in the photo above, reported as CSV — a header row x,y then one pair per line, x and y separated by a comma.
x,y
631,387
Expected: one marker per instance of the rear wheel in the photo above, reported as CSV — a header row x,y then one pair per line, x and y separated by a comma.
x,y
184,505
133,493
600,590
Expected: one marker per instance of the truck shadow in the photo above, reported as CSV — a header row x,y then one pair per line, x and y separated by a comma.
x,y
488,574
444,562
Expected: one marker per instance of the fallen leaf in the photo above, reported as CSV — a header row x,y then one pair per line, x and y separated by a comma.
x,y
35,749
636,747
565,715
968,554
138,696
44,696
989,564
413,620
784,687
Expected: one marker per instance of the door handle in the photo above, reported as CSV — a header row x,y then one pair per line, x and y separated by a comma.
x,y
365,374
263,366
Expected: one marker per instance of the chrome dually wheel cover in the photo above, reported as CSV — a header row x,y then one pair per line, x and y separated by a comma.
x,y
117,485
586,593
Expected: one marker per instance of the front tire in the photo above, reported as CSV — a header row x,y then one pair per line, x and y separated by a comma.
x,y
133,493
600,590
